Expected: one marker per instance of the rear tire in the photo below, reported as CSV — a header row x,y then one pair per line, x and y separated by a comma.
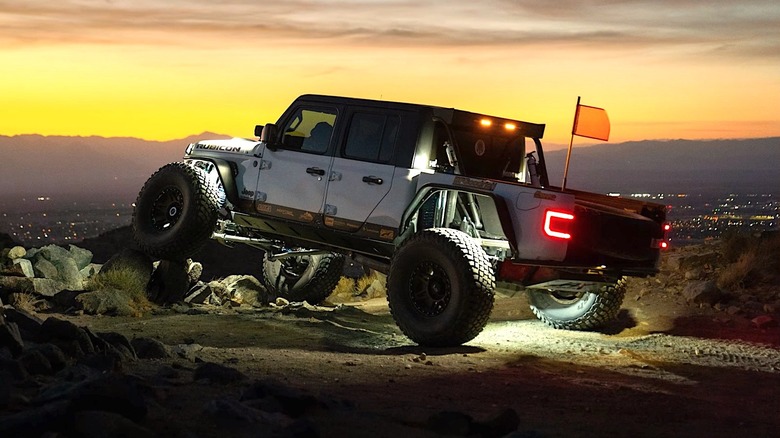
x,y
175,212
440,288
309,278
578,311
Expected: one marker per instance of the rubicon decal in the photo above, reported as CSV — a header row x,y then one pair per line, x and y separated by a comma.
x,y
214,147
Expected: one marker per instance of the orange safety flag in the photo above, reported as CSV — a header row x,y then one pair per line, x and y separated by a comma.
x,y
591,122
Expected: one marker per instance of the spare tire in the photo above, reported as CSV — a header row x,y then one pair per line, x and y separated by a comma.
x,y
176,212
303,277
584,310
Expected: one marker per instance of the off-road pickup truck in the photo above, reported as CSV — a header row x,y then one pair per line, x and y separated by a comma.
x,y
445,202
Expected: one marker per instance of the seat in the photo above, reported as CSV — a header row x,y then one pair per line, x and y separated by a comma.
x,y
319,138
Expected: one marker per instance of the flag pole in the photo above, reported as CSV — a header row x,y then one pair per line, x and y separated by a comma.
x,y
571,144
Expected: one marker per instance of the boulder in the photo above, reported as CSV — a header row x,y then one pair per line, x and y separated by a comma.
x,y
90,270
217,373
118,342
205,293
246,289
69,274
44,268
19,268
149,348
40,286
82,257
764,321
36,363
194,271
132,260
703,292
10,336
28,323
61,330
170,282
16,252
121,394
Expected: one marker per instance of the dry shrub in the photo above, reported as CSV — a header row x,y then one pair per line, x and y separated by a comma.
x,y
739,274
752,261
109,291
345,287
733,244
23,301
348,289
364,282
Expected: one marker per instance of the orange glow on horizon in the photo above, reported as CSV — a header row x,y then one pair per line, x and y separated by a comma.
x,y
216,70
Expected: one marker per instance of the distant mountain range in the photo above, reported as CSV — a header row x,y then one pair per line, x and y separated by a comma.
x,y
85,166
34,165
672,166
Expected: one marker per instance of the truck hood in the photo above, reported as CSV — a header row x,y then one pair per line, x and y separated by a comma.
x,y
240,146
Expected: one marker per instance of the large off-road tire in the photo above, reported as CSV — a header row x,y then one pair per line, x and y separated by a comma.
x,y
176,212
578,311
440,288
309,278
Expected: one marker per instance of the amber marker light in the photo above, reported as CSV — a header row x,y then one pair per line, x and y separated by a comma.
x,y
486,122
510,126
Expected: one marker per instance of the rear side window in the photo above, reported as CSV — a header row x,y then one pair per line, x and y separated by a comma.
x,y
372,137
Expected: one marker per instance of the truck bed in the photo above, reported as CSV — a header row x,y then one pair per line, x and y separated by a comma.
x,y
617,233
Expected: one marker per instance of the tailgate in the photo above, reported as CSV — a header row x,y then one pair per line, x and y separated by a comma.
x,y
614,233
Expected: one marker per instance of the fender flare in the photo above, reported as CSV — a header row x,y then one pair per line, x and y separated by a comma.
x,y
227,171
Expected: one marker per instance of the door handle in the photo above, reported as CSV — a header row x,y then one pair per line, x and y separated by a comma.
x,y
372,180
315,171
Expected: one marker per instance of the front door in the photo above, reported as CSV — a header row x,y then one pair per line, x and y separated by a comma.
x,y
293,179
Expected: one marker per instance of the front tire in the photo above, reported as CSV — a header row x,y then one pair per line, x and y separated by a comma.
x,y
578,311
175,212
440,288
309,278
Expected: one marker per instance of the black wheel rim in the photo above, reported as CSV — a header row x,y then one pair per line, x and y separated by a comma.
x,y
429,288
167,208
294,267
290,271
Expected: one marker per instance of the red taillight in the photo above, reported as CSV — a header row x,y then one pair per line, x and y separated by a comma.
x,y
557,223
663,243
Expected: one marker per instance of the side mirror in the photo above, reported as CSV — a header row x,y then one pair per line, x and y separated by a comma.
x,y
268,135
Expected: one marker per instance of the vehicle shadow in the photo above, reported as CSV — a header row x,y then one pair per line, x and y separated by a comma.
x,y
624,321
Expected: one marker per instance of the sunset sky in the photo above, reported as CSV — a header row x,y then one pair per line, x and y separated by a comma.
x,y
167,69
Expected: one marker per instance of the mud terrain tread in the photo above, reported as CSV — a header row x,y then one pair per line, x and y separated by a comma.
x,y
197,224
470,262
604,310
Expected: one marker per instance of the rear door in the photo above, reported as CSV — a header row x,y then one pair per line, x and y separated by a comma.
x,y
362,172
293,179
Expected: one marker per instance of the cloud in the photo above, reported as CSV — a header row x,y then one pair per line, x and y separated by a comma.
x,y
748,28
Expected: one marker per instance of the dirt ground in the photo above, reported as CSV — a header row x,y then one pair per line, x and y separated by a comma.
x,y
664,368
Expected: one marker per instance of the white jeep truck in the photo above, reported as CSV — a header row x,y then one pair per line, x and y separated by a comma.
x,y
446,202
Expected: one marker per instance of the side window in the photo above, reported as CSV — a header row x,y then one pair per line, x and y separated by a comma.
x,y
309,130
372,137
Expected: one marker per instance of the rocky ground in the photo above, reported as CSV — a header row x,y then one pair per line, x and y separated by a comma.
x,y
686,356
